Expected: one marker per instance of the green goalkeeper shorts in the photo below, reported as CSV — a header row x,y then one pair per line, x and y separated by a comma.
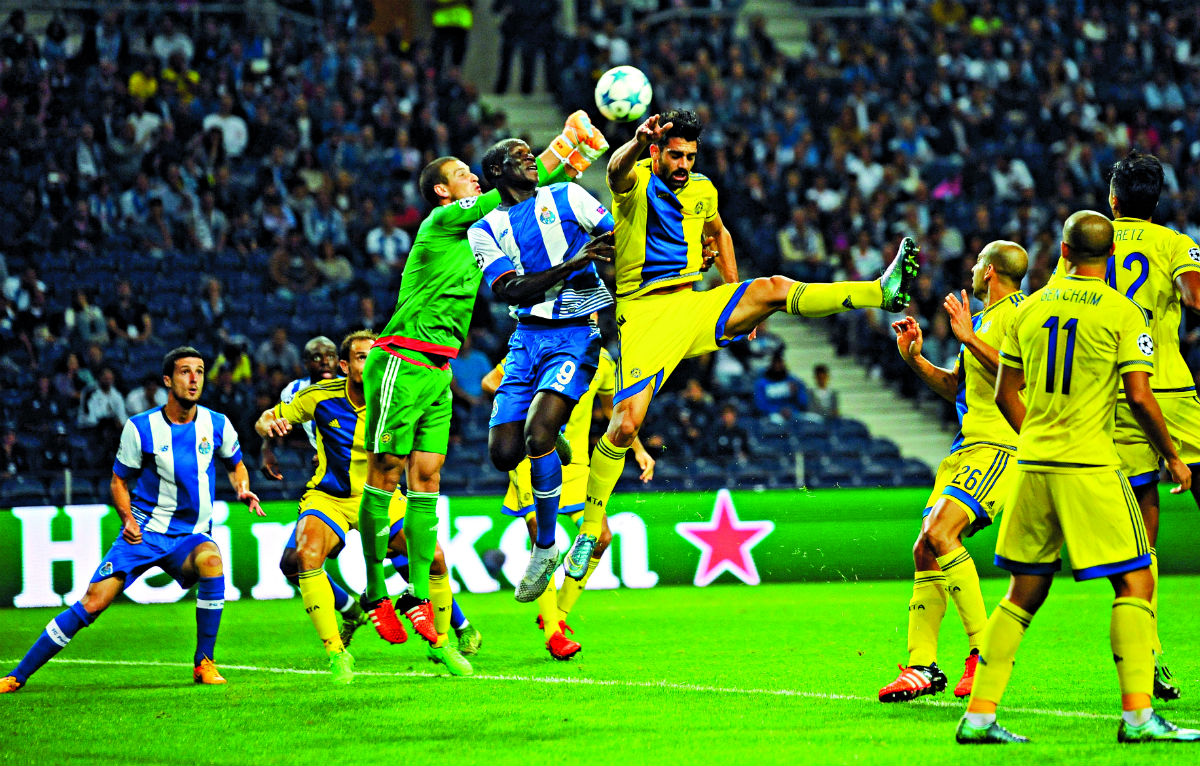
x,y
408,404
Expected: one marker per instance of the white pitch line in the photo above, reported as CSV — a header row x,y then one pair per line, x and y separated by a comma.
x,y
666,685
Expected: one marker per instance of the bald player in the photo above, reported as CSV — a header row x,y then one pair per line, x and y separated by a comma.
x,y
1067,350
974,478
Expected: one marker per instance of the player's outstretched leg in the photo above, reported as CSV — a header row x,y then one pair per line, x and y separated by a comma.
x,y
210,603
900,276
891,292
54,638
469,637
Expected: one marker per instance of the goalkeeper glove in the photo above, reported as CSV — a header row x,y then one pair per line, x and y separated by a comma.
x,y
580,144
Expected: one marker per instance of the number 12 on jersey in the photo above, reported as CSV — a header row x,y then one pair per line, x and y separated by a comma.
x,y
1068,354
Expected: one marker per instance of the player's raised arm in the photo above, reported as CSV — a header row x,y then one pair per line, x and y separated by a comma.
x,y
959,312
909,340
1145,409
620,165
579,145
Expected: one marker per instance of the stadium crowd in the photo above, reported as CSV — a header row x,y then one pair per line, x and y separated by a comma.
x,y
245,188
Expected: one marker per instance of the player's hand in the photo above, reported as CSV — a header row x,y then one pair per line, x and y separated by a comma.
x,y
908,338
131,531
650,131
708,253
646,463
585,136
960,316
600,250
275,427
270,465
1181,474
251,501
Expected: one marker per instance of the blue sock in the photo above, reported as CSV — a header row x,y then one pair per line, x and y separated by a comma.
x,y
457,618
54,638
341,599
545,474
210,600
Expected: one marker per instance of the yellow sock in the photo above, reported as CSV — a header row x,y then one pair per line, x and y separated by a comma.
x,y
1003,634
962,583
442,600
547,604
572,589
1131,632
318,602
926,609
819,299
608,461
1154,602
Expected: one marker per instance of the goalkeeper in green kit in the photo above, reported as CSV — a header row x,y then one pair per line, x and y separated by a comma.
x,y
407,375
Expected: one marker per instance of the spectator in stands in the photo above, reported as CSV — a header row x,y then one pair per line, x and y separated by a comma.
x,y
802,254
336,272
81,234
89,156
227,398
148,395
469,368
278,352
84,322
128,319
388,247
135,203
323,222
727,439
212,312
234,132
71,378
169,41
235,357
102,411
143,84
369,317
778,393
292,268
278,220
14,459
46,408
105,207
208,227
20,289
39,328
823,400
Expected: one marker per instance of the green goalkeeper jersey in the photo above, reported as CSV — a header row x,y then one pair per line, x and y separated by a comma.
x,y
440,280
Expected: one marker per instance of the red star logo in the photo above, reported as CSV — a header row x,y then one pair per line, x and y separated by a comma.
x,y
725,542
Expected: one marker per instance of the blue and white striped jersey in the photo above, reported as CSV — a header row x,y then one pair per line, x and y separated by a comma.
x,y
173,466
539,233
288,394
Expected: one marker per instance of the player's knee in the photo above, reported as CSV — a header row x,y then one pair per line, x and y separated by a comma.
x,y
94,604
209,564
288,563
941,538
309,557
923,555
540,440
625,429
505,457
774,289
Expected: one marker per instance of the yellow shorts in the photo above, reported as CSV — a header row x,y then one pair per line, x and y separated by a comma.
x,y
518,501
1095,514
341,513
657,332
977,478
1139,461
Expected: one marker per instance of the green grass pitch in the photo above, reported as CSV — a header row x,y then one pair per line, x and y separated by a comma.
x,y
726,674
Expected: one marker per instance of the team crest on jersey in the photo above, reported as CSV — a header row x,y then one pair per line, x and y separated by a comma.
x,y
636,372
468,203
700,207
205,446
106,569
1146,344
1194,254
546,216
387,439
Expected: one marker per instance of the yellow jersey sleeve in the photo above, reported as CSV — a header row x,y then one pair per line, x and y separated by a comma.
x,y
301,408
1135,347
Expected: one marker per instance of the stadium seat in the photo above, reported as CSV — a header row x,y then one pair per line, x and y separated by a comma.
x,y
488,482
913,473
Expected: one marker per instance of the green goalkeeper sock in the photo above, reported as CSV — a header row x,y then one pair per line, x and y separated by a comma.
x,y
373,527
420,527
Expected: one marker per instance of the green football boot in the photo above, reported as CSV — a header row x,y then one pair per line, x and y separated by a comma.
x,y
341,667
1163,688
469,639
352,619
898,280
577,559
447,654
992,734
1157,729
563,447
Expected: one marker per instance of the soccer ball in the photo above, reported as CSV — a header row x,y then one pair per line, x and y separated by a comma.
x,y
623,93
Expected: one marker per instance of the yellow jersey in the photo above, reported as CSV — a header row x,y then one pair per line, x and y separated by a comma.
x,y
1145,263
340,427
980,420
1073,339
659,232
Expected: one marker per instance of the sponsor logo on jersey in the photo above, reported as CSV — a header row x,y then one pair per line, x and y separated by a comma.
x,y
1146,344
334,423
985,326
165,448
